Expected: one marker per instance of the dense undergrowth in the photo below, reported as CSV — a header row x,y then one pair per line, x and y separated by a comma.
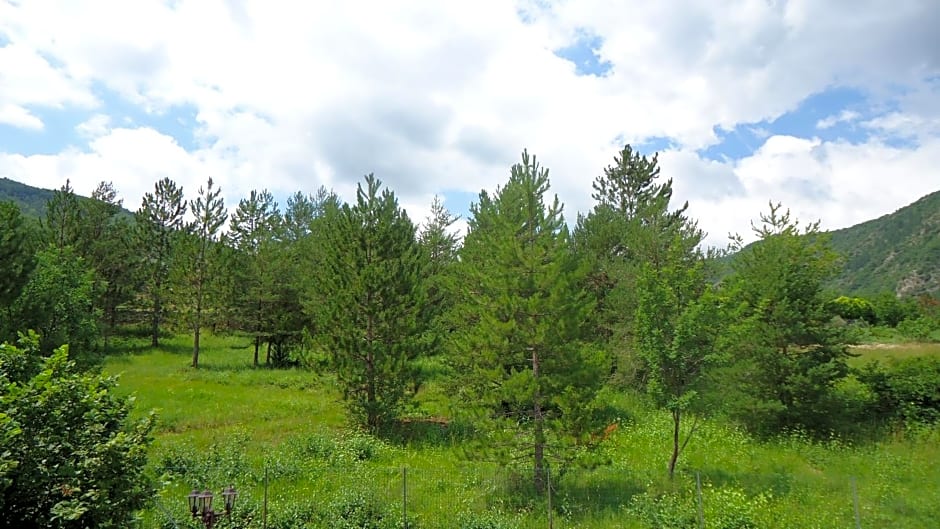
x,y
230,423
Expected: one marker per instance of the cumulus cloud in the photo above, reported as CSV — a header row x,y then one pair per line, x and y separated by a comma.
x,y
846,116
436,96
837,183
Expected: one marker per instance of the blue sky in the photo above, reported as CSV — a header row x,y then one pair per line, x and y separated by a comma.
x,y
833,112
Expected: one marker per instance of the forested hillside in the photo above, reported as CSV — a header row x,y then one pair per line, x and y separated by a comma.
x,y
31,200
897,253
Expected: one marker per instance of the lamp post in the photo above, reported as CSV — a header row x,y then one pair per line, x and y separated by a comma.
x,y
200,505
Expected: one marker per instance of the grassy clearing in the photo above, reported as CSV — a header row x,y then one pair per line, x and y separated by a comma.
x,y
885,352
230,422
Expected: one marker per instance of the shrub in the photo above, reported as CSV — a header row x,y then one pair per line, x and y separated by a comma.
x,y
70,456
725,507
905,390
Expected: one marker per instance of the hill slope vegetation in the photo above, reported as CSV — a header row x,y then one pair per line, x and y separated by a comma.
x,y
899,252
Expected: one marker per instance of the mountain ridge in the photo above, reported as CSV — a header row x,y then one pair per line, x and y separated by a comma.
x,y
898,252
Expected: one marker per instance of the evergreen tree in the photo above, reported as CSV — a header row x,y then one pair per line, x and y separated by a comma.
x,y
159,221
520,354
439,246
63,217
786,357
629,227
367,301
106,244
18,243
255,226
202,260
294,257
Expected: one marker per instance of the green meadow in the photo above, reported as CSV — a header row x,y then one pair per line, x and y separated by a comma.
x,y
285,431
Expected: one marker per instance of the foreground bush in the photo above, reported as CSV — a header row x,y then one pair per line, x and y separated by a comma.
x,y
69,455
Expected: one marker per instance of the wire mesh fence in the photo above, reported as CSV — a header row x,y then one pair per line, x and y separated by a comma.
x,y
370,496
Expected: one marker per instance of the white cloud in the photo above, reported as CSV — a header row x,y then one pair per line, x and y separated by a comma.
x,y
846,116
27,79
19,117
838,183
436,96
95,127
132,158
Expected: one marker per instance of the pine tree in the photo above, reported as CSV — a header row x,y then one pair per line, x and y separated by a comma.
x,y
630,226
106,244
63,217
786,357
201,265
255,226
367,302
159,221
520,348
18,243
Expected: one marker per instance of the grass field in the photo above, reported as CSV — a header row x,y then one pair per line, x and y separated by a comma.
x,y
885,352
229,422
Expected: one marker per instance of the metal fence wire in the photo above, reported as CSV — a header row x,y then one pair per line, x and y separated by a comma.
x,y
375,497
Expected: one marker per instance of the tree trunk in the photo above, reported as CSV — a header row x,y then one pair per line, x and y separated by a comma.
x,y
257,345
196,346
197,324
539,433
155,322
676,417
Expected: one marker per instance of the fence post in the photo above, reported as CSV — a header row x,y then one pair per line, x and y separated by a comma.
x,y
858,516
698,492
404,497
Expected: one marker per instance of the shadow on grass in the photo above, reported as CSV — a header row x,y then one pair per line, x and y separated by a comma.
x,y
119,346
577,492
778,482
427,432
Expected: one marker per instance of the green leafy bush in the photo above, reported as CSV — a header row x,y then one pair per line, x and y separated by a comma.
x,y
484,520
906,390
353,509
852,309
725,507
71,456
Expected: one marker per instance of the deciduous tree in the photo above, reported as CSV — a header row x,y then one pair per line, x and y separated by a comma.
x,y
57,303
677,327
70,454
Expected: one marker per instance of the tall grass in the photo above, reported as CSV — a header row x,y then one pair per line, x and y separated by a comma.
x,y
230,422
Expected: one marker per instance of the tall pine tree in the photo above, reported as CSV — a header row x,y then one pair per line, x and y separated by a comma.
x,y
630,226
201,263
159,221
255,227
524,365
367,301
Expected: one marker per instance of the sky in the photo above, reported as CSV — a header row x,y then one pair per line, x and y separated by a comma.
x,y
830,107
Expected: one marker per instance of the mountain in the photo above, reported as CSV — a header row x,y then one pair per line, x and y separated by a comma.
x,y
899,252
31,200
